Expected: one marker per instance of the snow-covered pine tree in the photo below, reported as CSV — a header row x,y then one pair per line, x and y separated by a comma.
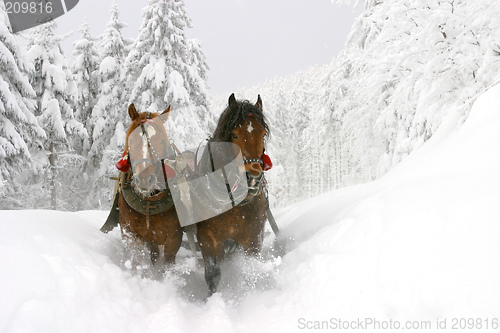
x,y
55,89
281,182
166,68
317,150
199,95
18,126
406,66
109,114
84,70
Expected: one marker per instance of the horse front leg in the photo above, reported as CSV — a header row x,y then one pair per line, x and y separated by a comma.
x,y
135,246
172,246
154,251
211,259
212,274
253,250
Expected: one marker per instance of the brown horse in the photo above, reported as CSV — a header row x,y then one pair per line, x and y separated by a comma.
x,y
146,214
243,124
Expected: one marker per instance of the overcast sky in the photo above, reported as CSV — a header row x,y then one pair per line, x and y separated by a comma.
x,y
245,41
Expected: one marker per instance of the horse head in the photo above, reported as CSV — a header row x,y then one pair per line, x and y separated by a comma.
x,y
148,145
244,124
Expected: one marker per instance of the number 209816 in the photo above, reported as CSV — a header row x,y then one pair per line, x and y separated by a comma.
x,y
28,7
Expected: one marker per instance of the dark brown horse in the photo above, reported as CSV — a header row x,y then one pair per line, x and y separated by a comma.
x,y
243,124
147,216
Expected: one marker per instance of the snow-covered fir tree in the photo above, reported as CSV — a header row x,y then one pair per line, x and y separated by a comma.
x,y
109,114
406,65
86,77
55,92
166,68
318,159
19,128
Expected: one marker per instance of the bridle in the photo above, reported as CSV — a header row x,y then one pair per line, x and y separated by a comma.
x,y
253,160
152,149
255,183
146,134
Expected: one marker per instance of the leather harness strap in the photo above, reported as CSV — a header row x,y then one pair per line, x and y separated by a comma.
x,y
146,206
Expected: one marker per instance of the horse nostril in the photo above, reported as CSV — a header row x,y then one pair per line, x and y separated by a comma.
x,y
253,180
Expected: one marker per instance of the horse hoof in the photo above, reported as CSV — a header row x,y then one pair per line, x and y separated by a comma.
x,y
210,294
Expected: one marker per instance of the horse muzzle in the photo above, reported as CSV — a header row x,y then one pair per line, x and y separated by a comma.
x,y
253,166
147,183
254,182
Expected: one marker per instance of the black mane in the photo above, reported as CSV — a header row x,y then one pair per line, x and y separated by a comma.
x,y
234,115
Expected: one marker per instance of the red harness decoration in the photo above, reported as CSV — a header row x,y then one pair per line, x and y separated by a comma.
x,y
169,172
266,162
124,163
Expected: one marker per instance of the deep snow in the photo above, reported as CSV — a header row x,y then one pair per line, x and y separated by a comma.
x,y
422,244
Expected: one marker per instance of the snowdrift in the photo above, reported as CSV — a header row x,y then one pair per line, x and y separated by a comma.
x,y
416,250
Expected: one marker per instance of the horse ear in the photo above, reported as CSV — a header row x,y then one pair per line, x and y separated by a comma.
x,y
132,112
232,100
167,110
259,102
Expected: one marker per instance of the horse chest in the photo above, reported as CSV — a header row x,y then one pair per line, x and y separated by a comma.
x,y
162,225
247,218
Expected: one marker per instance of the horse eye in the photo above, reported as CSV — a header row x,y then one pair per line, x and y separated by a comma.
x,y
234,136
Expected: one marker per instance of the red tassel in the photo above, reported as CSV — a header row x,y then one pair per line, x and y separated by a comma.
x,y
123,164
169,172
266,162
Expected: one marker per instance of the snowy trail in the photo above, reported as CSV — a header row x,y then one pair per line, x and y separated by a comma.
x,y
421,245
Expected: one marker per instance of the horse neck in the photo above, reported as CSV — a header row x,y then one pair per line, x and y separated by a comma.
x,y
218,158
